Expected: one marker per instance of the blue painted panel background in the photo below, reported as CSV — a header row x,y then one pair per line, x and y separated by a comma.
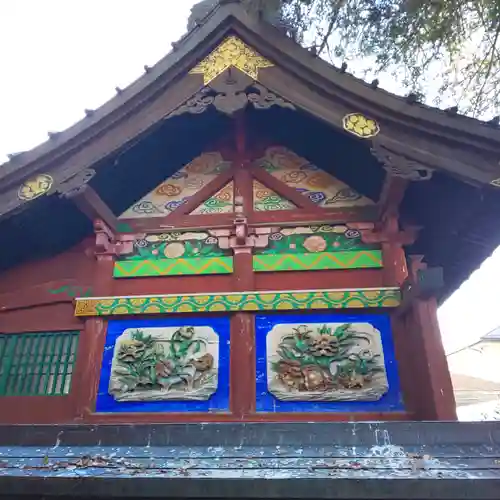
x,y
218,402
266,402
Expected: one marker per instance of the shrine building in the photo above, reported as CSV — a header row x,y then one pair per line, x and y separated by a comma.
x,y
224,283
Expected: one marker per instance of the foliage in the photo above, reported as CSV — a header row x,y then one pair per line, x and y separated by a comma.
x,y
326,351
453,42
143,363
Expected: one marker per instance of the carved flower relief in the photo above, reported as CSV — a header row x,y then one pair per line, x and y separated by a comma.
x,y
165,368
290,373
324,345
302,378
315,244
130,350
204,362
315,378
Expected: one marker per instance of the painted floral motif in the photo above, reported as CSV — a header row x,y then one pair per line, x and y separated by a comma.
x,y
330,362
319,186
174,245
265,199
220,202
315,239
179,187
157,364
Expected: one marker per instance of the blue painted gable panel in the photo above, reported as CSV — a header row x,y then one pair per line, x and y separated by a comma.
x,y
218,402
266,402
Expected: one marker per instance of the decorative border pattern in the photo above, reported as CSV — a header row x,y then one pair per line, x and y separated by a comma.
x,y
173,267
317,261
244,301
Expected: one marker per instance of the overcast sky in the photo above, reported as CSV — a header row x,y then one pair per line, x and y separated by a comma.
x,y
58,57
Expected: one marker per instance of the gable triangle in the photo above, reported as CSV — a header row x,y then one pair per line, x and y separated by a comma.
x,y
320,187
177,189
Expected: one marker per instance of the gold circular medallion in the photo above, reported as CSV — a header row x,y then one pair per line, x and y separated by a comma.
x,y
360,126
35,187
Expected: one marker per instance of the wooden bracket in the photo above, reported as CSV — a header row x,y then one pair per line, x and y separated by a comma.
x,y
422,283
90,203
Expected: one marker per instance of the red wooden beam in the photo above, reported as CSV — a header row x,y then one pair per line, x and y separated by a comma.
x,y
322,216
284,190
91,204
202,195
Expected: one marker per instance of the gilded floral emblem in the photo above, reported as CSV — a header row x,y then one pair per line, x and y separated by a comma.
x,y
231,52
360,125
35,187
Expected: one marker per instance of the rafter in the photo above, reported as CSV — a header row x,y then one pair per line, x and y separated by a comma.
x,y
91,204
202,195
284,190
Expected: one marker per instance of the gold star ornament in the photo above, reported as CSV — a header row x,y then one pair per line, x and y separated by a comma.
x,y
360,125
232,52
35,187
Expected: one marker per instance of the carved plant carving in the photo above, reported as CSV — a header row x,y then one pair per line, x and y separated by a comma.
x,y
326,363
176,363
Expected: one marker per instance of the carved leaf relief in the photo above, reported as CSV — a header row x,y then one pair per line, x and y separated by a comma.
x,y
326,362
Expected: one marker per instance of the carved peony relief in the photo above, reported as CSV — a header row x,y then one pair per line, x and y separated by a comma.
x,y
326,362
168,363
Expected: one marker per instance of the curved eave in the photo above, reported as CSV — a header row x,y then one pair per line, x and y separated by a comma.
x,y
155,80
472,145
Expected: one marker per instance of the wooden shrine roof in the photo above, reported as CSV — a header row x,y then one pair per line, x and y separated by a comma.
x,y
456,207
406,460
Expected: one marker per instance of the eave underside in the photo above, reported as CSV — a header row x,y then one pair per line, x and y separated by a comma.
x,y
457,219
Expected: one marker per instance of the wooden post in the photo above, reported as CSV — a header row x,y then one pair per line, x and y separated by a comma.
x,y
92,341
242,366
433,396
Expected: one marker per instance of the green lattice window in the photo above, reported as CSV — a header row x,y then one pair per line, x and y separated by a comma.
x,y
37,364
